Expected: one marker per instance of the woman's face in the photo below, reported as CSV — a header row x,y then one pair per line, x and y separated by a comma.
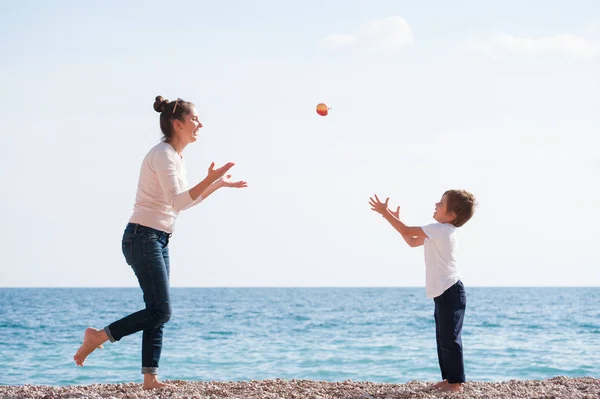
x,y
187,130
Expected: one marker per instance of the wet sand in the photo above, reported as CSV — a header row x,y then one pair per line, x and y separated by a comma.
x,y
554,388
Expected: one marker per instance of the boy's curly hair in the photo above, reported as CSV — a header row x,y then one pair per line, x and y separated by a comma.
x,y
462,203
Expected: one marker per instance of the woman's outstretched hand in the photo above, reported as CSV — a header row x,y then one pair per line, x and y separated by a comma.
x,y
226,182
215,174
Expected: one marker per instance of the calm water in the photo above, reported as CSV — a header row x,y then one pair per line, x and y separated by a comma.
x,y
332,334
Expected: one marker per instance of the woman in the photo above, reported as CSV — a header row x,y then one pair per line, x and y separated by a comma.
x,y
161,195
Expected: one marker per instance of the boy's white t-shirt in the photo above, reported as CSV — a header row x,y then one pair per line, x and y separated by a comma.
x,y
440,263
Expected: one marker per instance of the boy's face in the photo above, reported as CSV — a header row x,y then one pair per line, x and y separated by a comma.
x,y
441,214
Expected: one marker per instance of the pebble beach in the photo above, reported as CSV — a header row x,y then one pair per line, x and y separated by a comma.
x,y
553,388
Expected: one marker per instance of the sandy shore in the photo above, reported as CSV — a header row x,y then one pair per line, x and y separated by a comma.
x,y
554,388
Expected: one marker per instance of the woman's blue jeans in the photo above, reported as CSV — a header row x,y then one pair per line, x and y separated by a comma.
x,y
146,251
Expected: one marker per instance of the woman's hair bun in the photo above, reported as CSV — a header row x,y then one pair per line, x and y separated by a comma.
x,y
160,103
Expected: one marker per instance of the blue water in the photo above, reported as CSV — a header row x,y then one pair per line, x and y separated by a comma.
x,y
331,334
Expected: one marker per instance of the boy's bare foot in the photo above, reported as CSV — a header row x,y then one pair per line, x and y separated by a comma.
x,y
92,339
448,387
151,382
438,385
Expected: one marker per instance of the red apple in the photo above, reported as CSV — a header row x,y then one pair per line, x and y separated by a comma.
x,y
322,109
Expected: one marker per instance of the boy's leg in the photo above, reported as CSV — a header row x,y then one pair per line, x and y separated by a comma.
x,y
438,341
452,305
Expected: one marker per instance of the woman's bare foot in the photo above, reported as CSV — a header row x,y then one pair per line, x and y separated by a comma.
x,y
151,382
92,339
448,387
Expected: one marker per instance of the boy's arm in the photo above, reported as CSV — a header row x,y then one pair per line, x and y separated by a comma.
x,y
414,236
414,241
402,228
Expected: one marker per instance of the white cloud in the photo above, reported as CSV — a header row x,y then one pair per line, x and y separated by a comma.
x,y
503,43
385,34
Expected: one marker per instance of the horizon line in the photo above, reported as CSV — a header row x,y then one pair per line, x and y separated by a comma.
x,y
300,287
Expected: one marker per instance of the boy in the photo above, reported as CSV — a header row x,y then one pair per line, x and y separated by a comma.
x,y
442,281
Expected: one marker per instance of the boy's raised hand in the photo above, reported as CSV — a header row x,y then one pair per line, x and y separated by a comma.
x,y
396,214
378,206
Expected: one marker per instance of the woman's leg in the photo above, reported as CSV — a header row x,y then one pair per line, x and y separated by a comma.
x,y
152,339
143,250
152,336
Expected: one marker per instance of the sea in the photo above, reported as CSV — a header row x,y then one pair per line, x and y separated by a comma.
x,y
328,334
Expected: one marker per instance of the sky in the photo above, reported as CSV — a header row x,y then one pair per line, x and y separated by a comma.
x,y
499,98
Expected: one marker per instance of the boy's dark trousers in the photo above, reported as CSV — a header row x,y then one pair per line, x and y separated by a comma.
x,y
449,314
